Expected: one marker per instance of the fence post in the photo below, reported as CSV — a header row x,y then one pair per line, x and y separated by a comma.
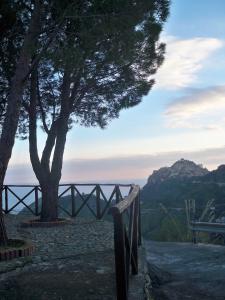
x,y
117,193
135,237
73,204
6,200
120,257
36,200
98,207
139,218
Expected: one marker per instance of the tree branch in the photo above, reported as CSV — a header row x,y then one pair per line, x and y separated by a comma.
x,y
49,145
43,115
32,110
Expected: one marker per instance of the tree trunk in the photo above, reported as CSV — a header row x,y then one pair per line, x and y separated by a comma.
x,y
3,235
50,184
49,177
49,211
13,106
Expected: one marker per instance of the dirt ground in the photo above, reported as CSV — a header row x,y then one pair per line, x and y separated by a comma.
x,y
183,271
84,277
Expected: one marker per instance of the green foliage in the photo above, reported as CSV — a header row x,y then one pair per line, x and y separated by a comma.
x,y
170,224
160,226
11,37
110,50
173,192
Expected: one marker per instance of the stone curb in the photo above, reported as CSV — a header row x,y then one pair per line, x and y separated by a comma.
x,y
22,251
38,223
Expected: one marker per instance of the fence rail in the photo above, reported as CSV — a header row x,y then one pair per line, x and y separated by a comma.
x,y
96,198
127,238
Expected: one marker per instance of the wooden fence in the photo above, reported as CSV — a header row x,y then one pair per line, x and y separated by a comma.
x,y
127,238
121,200
97,198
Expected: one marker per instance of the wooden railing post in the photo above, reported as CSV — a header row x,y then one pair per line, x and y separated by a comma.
x,y
36,201
126,240
135,237
6,200
73,203
98,207
120,258
117,193
139,219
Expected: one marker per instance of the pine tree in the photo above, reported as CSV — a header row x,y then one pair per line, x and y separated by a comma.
x,y
102,61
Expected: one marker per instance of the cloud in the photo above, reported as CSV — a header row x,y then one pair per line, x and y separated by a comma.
x,y
183,60
199,109
134,168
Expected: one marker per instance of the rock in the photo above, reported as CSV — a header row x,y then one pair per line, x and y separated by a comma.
x,y
158,276
100,271
37,259
181,168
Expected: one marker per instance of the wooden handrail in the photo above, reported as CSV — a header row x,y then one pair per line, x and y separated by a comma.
x,y
126,240
207,227
211,224
69,184
127,201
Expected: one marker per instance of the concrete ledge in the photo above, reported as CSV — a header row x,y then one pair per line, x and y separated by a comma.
x,y
140,285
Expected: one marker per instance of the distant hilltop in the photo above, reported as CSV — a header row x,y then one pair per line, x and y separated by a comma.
x,y
169,187
184,180
182,168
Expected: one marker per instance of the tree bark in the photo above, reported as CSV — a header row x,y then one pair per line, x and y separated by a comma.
x,y
49,211
14,100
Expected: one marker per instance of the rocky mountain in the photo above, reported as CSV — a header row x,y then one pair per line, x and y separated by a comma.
x,y
163,197
180,169
184,180
217,176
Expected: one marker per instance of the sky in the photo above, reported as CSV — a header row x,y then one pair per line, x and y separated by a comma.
x,y
183,116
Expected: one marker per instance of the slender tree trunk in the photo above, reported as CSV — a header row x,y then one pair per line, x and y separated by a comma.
x,y
49,177
13,106
49,180
50,184
3,234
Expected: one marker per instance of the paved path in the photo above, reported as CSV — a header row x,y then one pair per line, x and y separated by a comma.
x,y
71,262
192,272
74,261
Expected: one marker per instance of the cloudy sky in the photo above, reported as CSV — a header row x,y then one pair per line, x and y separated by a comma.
x,y
182,117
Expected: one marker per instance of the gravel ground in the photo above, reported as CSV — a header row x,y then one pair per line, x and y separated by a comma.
x,y
79,237
70,262
73,261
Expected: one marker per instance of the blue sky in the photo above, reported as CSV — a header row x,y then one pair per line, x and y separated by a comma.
x,y
183,115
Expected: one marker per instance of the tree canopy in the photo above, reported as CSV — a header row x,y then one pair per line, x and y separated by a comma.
x,y
110,52
91,60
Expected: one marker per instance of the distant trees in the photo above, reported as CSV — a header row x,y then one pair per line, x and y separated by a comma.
x,y
101,62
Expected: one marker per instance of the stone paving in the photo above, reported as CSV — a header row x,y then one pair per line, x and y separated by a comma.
x,y
73,261
80,236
